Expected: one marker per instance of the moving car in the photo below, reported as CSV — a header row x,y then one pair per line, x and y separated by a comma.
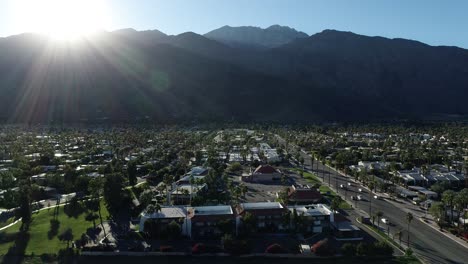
x,y
360,190
353,197
342,186
359,197
385,221
377,197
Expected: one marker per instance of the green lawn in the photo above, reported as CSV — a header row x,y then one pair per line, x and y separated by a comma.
x,y
39,241
312,178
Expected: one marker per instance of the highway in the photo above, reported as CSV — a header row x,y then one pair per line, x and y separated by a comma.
x,y
427,243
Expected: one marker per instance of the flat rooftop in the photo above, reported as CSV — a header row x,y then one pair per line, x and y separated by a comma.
x,y
311,210
168,212
213,210
262,205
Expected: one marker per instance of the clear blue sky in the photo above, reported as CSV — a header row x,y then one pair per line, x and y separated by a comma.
x,y
433,22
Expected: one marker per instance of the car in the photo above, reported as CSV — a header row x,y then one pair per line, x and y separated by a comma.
x,y
359,197
360,190
305,249
377,197
342,186
353,197
349,184
385,221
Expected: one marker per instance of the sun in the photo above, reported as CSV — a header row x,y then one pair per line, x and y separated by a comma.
x,y
63,19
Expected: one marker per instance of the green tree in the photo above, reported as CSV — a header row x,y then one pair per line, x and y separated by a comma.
x,y
132,172
67,236
114,193
249,224
437,210
25,203
173,230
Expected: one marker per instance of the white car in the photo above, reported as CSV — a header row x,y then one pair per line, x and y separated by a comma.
x,y
349,184
377,197
360,190
385,221
359,197
305,249
342,186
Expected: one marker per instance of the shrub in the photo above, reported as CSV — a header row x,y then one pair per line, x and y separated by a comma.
x,y
383,249
409,252
348,250
236,247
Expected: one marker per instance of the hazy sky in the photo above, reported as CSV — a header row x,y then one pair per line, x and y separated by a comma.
x,y
443,22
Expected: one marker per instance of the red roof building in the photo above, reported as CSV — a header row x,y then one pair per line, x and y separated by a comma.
x,y
303,195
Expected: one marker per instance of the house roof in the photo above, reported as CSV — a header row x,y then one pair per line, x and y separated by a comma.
x,y
204,212
304,194
263,208
168,212
265,169
312,210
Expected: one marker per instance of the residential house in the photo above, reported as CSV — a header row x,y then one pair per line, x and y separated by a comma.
x,y
264,173
269,216
211,221
183,193
317,216
156,222
303,195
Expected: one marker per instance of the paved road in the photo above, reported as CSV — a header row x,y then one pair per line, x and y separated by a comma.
x,y
426,242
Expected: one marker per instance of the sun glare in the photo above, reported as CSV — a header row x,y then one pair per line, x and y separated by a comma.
x,y
62,19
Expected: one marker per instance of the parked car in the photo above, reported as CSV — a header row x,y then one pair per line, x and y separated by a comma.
x,y
342,186
353,198
377,197
360,190
359,197
385,221
349,184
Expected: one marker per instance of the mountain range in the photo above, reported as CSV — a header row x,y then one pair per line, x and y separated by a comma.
x,y
231,73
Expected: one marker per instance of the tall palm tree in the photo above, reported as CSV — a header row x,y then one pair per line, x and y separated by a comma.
x,y
448,198
409,218
379,216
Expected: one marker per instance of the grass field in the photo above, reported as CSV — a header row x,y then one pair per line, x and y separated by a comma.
x,y
39,241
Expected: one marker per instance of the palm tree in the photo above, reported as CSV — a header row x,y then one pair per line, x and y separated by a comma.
x,y
335,204
447,198
150,209
459,203
157,208
409,218
379,216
